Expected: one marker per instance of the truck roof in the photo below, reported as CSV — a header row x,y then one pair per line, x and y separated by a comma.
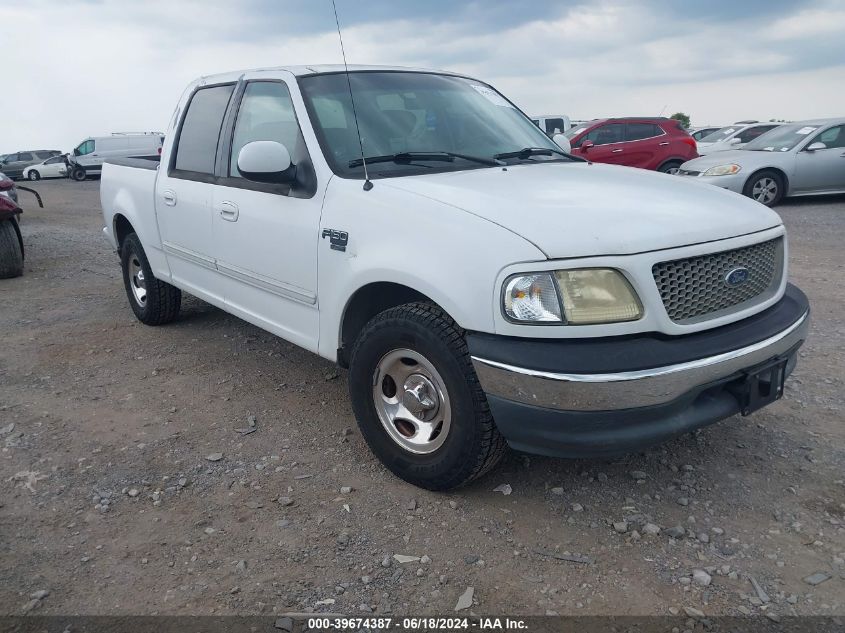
x,y
319,69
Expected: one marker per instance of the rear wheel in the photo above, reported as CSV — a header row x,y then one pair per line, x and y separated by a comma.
x,y
78,174
153,301
418,401
670,167
11,255
766,187
34,175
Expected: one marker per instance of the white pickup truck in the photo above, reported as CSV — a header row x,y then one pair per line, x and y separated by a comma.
x,y
482,287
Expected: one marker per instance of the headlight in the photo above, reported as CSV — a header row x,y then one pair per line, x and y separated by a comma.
x,y
723,170
597,295
588,296
532,298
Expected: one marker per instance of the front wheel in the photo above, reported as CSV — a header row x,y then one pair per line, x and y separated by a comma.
x,y
78,174
670,167
153,301
34,175
417,400
766,187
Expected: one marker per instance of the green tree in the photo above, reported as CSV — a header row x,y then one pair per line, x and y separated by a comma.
x,y
683,118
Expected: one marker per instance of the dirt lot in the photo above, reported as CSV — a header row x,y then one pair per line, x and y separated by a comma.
x,y
109,503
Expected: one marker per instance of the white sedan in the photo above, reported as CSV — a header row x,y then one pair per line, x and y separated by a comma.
x,y
54,167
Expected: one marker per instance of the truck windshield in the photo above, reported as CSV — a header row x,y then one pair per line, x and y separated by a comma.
x,y
410,113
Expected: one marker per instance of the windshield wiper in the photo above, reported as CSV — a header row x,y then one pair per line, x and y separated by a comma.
x,y
528,152
407,157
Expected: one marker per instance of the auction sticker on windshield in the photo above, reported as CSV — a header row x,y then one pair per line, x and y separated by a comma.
x,y
492,96
806,130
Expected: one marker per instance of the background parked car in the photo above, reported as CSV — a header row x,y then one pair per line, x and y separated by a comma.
x,y
89,155
552,124
55,167
14,164
699,133
796,159
648,143
733,137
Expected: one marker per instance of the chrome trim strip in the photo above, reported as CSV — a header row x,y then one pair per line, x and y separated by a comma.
x,y
192,256
624,390
264,283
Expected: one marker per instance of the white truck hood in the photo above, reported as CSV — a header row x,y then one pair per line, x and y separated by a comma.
x,y
581,210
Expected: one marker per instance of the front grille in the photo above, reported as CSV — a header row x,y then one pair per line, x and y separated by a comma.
x,y
695,288
688,172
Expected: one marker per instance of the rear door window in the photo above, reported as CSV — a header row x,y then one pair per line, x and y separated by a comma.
x,y
640,131
197,145
25,156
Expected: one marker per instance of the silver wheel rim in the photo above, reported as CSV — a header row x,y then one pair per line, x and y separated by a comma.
x,y
673,170
137,281
764,190
33,175
411,401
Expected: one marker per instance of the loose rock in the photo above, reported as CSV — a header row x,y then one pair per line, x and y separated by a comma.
x,y
465,599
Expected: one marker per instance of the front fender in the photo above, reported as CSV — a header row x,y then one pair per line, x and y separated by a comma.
x,y
442,252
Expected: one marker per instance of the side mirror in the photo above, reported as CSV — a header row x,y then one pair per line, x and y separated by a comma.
x,y
562,142
587,145
812,147
266,161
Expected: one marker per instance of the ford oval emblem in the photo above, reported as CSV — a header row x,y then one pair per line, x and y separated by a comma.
x,y
737,277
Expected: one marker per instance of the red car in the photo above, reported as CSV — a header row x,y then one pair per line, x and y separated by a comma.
x,y
648,143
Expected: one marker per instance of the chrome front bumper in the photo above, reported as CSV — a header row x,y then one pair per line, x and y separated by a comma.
x,y
629,389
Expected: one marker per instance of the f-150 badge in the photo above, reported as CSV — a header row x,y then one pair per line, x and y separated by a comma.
x,y
337,239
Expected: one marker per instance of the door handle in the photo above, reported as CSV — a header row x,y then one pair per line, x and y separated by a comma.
x,y
615,151
229,211
169,197
664,143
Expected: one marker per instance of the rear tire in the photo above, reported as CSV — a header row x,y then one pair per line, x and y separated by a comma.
x,y
153,301
34,175
670,167
78,174
11,255
431,426
766,187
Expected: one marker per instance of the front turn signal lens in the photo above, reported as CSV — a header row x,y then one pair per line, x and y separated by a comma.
x,y
532,299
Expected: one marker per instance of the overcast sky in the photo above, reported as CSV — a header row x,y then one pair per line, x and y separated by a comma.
x,y
77,68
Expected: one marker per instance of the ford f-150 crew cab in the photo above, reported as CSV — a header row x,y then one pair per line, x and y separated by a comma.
x,y
482,286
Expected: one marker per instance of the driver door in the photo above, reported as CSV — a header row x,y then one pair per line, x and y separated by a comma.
x,y
266,235
823,169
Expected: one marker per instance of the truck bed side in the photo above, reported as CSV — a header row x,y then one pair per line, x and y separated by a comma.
x,y
127,196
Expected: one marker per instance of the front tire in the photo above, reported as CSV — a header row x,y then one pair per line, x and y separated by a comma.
x,y
153,301
670,167
417,400
78,174
11,255
34,175
766,187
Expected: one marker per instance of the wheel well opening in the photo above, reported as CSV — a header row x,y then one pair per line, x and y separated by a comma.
x,y
366,303
122,228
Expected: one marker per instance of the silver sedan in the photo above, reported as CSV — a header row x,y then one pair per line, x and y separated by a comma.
x,y
797,159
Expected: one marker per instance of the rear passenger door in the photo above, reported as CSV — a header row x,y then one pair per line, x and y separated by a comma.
x,y
184,192
643,145
266,235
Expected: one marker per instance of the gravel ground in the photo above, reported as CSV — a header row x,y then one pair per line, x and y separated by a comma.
x,y
207,467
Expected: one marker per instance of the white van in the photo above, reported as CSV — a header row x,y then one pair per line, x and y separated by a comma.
x,y
89,155
552,124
